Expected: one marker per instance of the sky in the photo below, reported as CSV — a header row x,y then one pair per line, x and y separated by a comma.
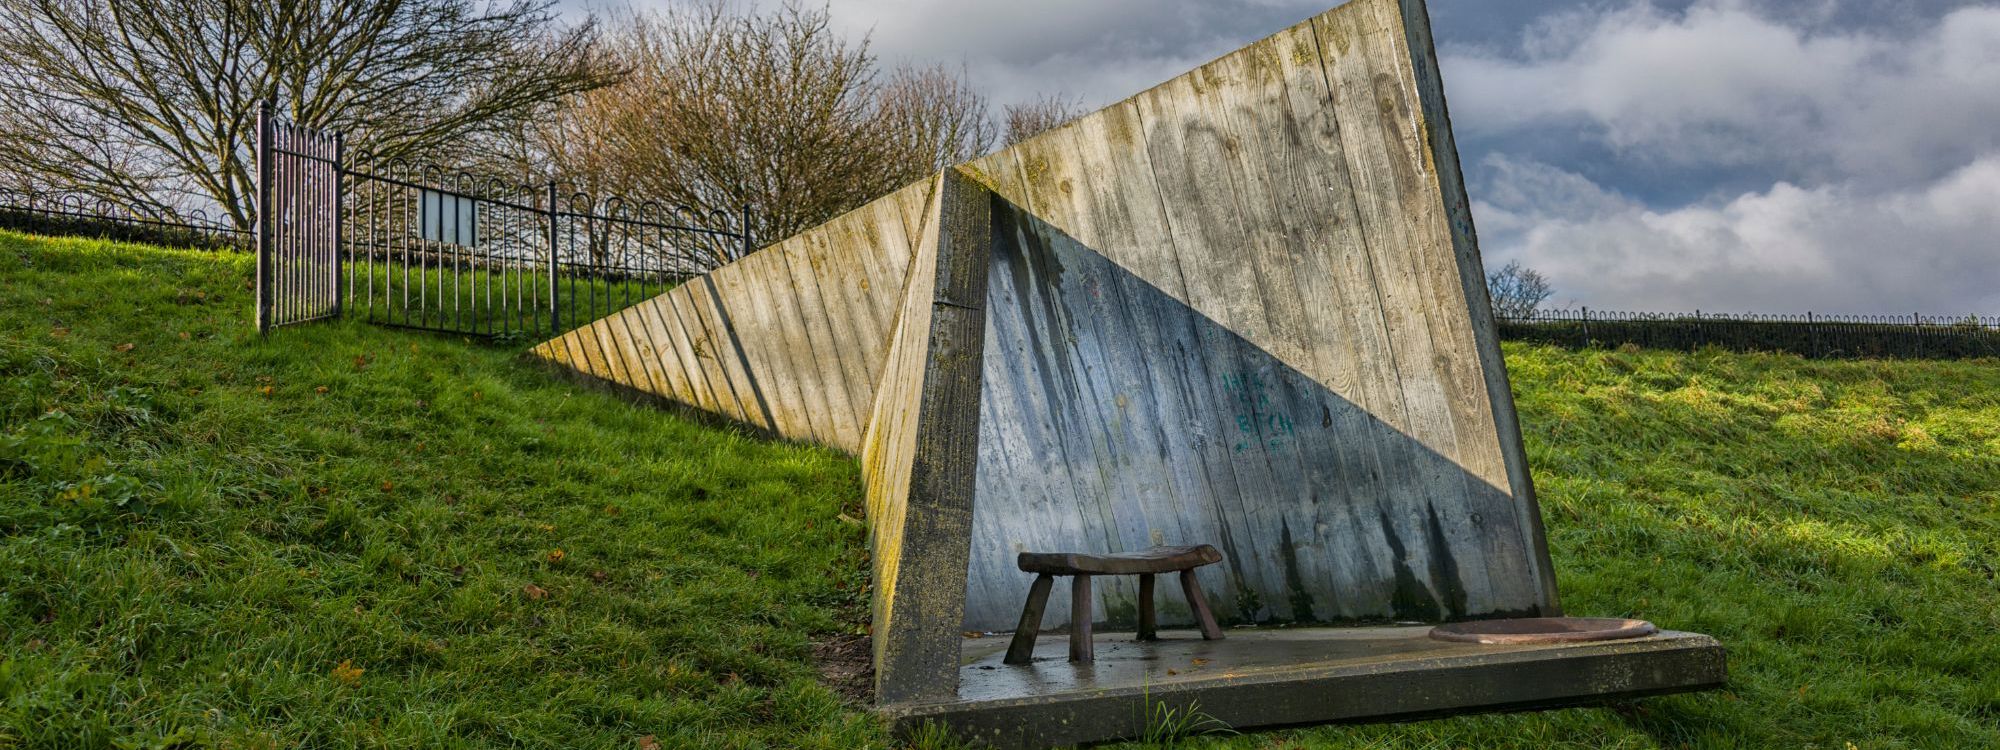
x,y
1834,156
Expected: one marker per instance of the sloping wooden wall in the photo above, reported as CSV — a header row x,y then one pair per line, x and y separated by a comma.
x,y
1294,194
790,339
1244,308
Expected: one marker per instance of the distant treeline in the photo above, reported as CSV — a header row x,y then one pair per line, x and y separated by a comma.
x,y
1810,334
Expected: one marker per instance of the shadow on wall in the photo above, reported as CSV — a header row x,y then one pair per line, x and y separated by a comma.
x,y
1115,417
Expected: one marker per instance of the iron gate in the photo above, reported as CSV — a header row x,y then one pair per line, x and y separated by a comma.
x,y
298,223
412,245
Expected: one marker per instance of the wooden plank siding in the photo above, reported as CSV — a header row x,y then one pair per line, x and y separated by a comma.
x,y
1292,197
790,339
1244,308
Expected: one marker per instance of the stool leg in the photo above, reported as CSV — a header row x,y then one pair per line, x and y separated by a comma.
x,y
1147,630
1209,630
1022,650
1079,620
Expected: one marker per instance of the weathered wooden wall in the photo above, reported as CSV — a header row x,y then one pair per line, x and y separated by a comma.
x,y
1299,197
1244,308
790,339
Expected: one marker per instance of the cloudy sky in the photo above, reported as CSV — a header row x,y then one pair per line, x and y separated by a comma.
x,y
1722,155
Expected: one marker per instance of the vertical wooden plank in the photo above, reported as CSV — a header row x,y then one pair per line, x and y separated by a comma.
x,y
820,348
1499,395
920,654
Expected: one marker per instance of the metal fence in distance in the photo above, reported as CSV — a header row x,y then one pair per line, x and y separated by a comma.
x,y
436,250
1810,334
410,244
54,213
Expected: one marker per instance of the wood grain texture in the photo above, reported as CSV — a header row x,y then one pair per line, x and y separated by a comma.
x,y
791,339
1244,308
1279,252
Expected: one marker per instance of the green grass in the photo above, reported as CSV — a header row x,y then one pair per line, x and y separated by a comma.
x,y
197,533
201,548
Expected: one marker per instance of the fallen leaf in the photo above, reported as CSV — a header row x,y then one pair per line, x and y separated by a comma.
x,y
267,390
547,527
556,555
124,347
360,362
534,592
599,576
321,390
58,332
347,673
1199,662
476,396
185,336
387,486
648,743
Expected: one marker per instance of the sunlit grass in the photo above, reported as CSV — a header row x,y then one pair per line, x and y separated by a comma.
x,y
347,536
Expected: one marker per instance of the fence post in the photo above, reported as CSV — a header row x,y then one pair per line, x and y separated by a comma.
x,y
555,311
1586,327
263,216
747,246
1812,335
340,222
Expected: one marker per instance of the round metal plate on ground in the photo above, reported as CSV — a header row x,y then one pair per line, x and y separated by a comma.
x,y
1544,630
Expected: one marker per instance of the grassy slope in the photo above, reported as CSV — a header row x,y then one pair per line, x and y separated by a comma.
x,y
392,521
1836,523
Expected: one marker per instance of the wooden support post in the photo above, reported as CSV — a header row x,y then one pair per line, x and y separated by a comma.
x,y
1209,630
1022,650
1148,630
1079,619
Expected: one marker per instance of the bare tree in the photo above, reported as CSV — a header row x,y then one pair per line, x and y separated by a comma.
x,y
1517,291
775,112
1028,120
155,100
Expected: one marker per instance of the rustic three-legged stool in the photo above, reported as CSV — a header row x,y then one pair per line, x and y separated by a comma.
x,y
1142,564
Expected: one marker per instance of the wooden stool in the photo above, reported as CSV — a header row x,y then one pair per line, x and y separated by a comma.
x,y
1144,564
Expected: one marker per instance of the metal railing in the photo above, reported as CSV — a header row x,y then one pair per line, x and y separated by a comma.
x,y
57,213
1914,336
414,245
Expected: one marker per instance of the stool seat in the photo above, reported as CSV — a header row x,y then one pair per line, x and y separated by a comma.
x,y
1155,560
1081,566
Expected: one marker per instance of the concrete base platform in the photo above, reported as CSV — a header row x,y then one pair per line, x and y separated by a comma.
x,y
1266,678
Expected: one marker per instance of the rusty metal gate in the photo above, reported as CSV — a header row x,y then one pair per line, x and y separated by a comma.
x,y
407,244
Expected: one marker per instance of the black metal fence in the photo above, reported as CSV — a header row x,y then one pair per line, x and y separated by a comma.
x,y
134,221
299,196
413,245
1809,334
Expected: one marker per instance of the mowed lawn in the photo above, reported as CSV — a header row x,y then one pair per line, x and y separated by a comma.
x,y
352,536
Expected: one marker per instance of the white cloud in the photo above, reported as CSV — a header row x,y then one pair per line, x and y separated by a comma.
x,y
1101,50
1831,248
1723,84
